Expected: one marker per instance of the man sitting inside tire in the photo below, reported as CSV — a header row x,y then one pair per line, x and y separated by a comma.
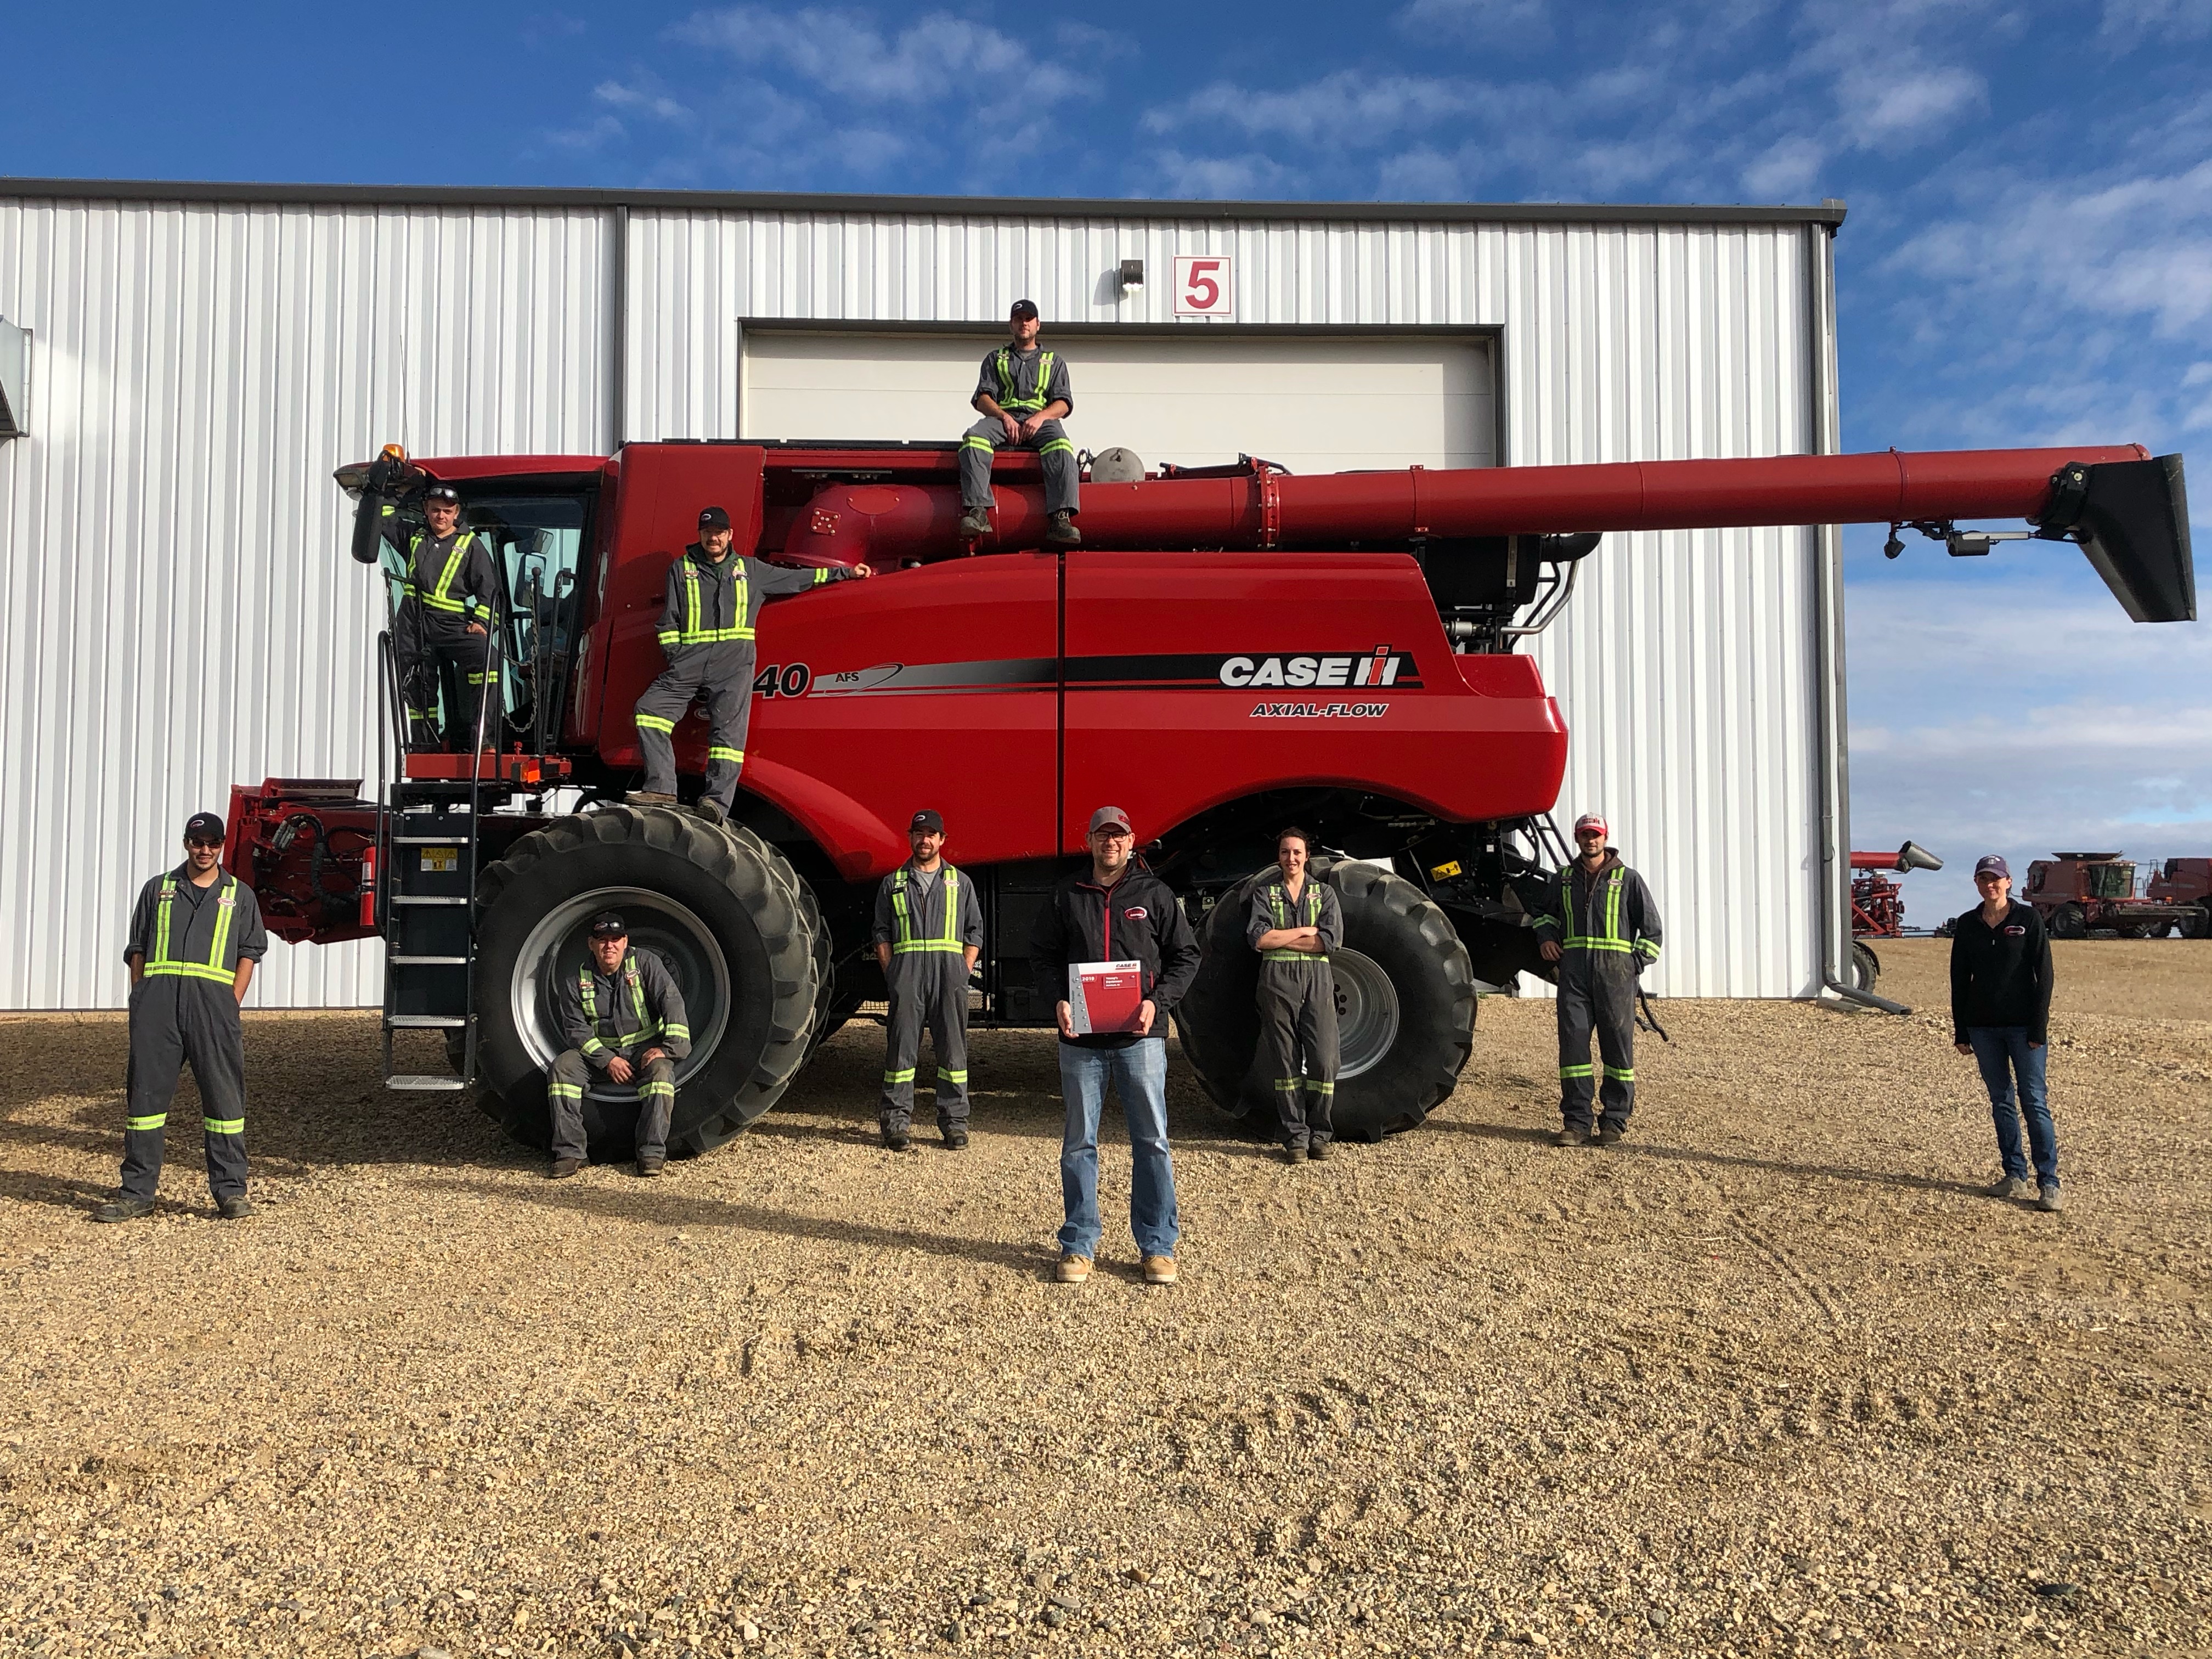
x,y
625,1022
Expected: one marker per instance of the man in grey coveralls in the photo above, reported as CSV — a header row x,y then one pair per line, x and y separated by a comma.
x,y
928,932
1293,923
195,937
708,614
450,599
622,1017
1605,933
1023,394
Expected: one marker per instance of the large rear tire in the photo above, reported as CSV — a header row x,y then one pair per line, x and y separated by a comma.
x,y
720,907
1866,966
1405,995
2070,922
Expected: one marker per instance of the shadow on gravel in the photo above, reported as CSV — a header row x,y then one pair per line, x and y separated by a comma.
x,y
1726,1160
663,1208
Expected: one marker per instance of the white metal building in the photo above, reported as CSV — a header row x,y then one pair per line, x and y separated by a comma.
x,y
178,613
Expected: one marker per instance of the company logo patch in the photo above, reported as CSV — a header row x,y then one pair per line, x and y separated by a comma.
x,y
2015,931
1381,666
1134,913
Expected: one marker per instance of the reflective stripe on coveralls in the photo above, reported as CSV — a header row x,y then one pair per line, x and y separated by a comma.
x,y
1297,998
647,1027
1035,400
692,634
440,596
949,939
1596,986
927,984
162,962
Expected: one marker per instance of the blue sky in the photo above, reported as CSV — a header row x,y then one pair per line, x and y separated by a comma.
x,y
2028,258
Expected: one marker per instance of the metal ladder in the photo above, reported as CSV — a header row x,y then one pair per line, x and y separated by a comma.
x,y
427,861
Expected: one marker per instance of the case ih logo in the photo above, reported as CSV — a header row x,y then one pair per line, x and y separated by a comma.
x,y
1381,666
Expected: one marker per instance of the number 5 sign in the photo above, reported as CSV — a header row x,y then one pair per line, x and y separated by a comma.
x,y
1201,285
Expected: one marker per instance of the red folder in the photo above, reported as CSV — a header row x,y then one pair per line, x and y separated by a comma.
x,y
1105,997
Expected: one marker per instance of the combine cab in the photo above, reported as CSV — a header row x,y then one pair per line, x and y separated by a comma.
x,y
1175,665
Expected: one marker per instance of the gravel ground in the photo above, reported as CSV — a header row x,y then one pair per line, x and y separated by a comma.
x,y
1771,1378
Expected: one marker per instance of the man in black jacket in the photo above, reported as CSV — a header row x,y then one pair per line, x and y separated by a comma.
x,y
1114,912
2001,1015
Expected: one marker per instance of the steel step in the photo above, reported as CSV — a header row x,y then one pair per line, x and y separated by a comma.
x,y
432,841
410,898
422,1080
451,1022
427,961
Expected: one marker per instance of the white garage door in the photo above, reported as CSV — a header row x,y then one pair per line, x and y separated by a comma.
x,y
1316,403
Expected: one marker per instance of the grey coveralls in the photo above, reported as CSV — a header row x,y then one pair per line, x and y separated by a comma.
x,y
1023,382
450,582
929,921
707,616
1608,928
605,1016
183,1010
1298,1008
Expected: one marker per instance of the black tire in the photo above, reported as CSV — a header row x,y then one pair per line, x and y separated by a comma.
x,y
721,906
2068,922
1393,933
2198,926
1866,967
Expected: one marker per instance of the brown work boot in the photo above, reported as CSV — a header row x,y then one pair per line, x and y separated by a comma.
x,y
974,524
648,1169
1294,1153
563,1167
1572,1135
1073,1269
1062,533
650,797
711,810
237,1207
1158,1269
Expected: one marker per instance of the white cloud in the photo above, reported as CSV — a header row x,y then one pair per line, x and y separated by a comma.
x,y
1420,175
1880,107
937,58
643,99
1495,24
1346,108
1785,171
1219,176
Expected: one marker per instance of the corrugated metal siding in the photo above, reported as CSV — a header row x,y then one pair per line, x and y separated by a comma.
x,y
1685,664
178,609
200,368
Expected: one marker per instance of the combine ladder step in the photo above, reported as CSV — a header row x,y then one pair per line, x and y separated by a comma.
x,y
422,1081
424,899
461,839
427,961
426,1022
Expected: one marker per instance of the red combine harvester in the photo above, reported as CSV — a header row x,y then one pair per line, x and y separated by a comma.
x,y
1230,649
2078,894
2186,882
1878,904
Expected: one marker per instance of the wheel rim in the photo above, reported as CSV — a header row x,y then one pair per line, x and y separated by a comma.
x,y
557,948
1366,1011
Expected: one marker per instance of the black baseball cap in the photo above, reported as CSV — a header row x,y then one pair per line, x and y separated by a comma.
x,y
926,819
714,518
1023,308
442,492
204,826
608,923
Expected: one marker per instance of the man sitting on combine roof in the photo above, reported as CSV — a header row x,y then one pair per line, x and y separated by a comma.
x,y
1022,394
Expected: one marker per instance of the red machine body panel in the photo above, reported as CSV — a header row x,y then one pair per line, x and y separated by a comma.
x,y
1194,679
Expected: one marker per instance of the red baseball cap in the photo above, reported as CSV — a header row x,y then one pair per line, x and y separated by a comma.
x,y
1591,821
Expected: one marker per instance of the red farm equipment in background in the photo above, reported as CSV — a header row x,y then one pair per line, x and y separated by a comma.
x,y
1878,903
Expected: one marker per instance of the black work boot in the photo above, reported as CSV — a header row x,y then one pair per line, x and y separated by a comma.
x,y
974,524
956,1139
1611,1134
237,1207
896,1141
711,810
1062,533
124,1207
1572,1135
563,1167
1318,1151
648,1169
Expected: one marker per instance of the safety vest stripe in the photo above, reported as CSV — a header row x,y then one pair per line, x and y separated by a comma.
x,y
1609,936
223,1126
1037,399
588,995
163,964
440,595
902,916
694,632
1305,912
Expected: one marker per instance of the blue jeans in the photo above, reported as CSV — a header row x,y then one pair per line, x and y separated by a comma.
x,y
2002,1053
1139,1075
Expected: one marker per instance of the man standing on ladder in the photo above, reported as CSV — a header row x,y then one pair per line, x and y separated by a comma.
x,y
708,616
928,932
1022,395
1294,924
1606,933
195,937
624,1021
450,601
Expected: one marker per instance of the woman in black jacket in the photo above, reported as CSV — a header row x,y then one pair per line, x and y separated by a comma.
x,y
2001,1015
